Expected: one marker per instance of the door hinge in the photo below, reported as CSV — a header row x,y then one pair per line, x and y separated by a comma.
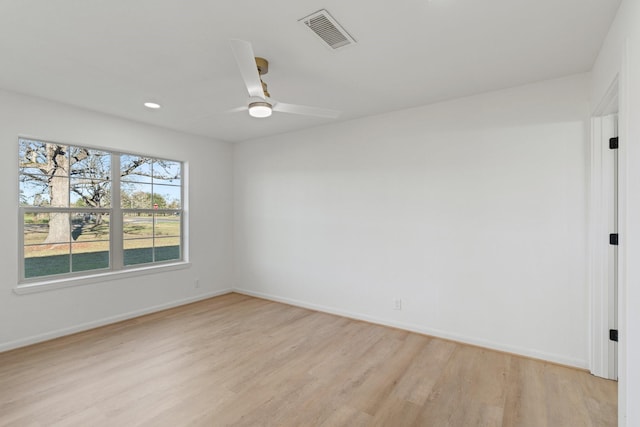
x,y
613,239
613,143
613,335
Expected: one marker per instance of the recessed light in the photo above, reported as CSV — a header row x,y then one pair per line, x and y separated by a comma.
x,y
152,105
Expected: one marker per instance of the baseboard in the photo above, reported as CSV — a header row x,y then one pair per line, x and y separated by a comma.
x,y
106,321
534,354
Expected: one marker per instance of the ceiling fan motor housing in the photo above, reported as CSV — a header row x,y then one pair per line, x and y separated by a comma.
x,y
260,109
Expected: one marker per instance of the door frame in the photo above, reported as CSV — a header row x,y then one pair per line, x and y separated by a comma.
x,y
603,355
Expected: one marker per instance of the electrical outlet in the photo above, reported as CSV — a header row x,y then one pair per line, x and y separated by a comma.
x,y
196,283
397,304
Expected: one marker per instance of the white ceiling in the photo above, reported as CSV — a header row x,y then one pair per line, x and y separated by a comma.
x,y
112,55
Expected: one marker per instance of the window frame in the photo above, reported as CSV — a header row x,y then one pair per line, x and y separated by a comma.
x,y
116,268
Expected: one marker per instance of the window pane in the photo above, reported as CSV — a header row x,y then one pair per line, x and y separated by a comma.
x,y
89,226
166,172
59,191
167,237
44,173
36,228
90,193
90,163
138,251
167,225
34,192
137,225
135,168
167,196
135,196
44,158
46,260
32,156
167,248
45,227
89,255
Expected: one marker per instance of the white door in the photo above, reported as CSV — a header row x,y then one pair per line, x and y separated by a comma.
x,y
603,255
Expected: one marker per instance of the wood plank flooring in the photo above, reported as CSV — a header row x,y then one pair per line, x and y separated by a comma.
x,y
237,360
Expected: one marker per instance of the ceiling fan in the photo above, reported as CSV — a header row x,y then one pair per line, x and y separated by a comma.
x,y
260,103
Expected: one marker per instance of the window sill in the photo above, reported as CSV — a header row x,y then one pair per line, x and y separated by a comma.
x,y
67,282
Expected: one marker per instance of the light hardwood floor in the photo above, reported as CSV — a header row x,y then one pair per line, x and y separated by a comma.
x,y
237,360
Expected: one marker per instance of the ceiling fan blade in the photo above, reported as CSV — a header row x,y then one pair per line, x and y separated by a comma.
x,y
245,58
305,110
237,109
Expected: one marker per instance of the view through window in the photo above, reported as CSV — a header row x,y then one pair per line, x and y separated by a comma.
x,y
87,210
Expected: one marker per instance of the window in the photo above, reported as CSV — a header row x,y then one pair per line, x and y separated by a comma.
x,y
86,210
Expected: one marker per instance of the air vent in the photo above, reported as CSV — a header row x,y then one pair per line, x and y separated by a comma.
x,y
324,26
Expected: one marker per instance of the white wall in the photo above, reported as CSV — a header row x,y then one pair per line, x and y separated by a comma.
x,y
620,56
473,212
33,317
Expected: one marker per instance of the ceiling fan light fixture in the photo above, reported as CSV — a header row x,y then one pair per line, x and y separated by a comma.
x,y
260,109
